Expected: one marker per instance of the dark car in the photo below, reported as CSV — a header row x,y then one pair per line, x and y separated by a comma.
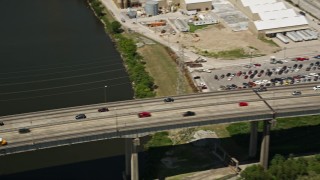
x,y
144,114
296,93
104,109
189,113
81,116
24,130
168,99
1,123
317,56
196,77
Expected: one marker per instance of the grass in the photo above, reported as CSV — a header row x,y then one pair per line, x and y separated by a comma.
x,y
193,28
269,41
230,54
163,69
159,139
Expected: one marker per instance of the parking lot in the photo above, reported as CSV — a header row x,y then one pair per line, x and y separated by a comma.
x,y
260,75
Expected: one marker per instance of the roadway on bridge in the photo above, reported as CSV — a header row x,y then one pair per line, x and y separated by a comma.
x,y
60,124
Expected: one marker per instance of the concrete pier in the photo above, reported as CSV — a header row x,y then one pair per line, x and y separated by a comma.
x,y
253,139
264,153
131,156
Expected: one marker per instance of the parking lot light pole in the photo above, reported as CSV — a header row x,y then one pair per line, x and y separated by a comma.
x,y
105,93
251,57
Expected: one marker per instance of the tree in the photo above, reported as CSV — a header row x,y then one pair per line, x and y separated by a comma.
x,y
116,27
256,172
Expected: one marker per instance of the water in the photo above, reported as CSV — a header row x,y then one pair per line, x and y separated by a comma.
x,y
55,54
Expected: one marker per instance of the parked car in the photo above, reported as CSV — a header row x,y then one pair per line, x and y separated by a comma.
x,y
189,113
243,104
24,130
3,142
81,116
144,114
168,99
296,93
104,109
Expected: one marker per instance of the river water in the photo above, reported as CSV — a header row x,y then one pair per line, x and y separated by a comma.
x,y
55,54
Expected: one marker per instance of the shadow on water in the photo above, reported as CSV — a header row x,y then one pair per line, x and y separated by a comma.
x,y
93,160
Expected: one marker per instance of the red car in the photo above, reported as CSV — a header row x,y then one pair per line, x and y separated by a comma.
x,y
246,77
243,104
302,58
144,114
257,65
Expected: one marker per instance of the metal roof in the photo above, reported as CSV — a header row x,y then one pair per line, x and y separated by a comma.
x,y
278,14
280,23
267,7
196,1
254,2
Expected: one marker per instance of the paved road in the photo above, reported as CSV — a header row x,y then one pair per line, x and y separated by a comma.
x,y
210,108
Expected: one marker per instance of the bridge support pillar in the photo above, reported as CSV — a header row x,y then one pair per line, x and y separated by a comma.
x,y
253,139
134,160
131,156
128,152
264,153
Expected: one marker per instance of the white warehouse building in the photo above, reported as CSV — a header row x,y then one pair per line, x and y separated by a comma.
x,y
270,16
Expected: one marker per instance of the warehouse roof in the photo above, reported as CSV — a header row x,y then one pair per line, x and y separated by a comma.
x,y
267,7
280,23
196,1
254,2
278,14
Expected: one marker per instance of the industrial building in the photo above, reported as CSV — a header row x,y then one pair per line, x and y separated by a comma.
x,y
270,16
198,5
189,5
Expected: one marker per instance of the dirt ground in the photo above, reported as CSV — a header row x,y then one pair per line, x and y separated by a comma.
x,y
216,38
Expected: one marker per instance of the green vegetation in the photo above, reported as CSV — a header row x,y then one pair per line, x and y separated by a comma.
x,y
283,169
269,41
193,28
142,82
116,27
159,139
231,54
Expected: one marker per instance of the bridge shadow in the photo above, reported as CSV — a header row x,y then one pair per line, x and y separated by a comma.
x,y
162,162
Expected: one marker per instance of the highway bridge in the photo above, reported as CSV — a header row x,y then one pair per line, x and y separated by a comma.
x,y
59,127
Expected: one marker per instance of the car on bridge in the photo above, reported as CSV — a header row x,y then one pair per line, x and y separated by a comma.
x,y
168,99
295,93
188,113
104,109
317,56
24,130
316,88
81,116
243,104
144,114
3,142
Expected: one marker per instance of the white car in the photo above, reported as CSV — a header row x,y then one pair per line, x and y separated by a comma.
x,y
316,88
314,74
